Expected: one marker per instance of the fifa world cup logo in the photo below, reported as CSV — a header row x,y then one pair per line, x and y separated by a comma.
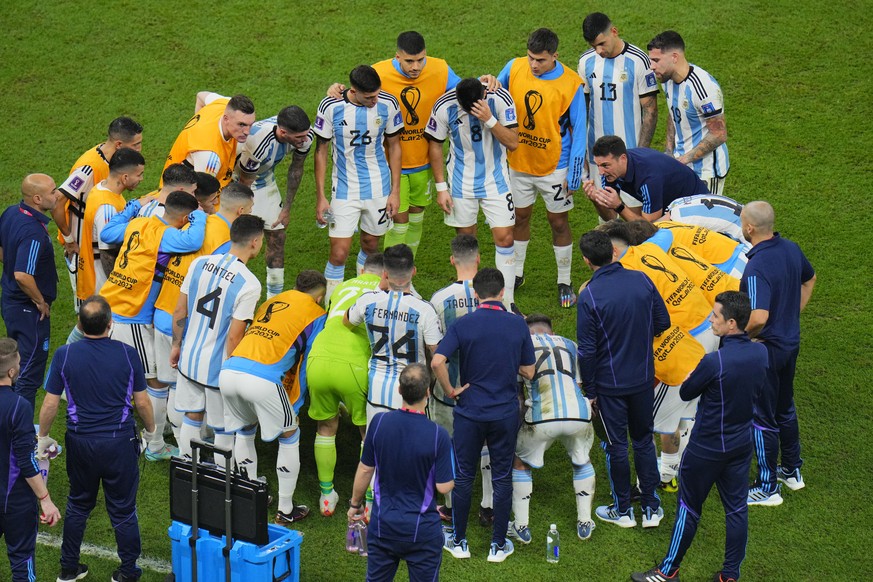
x,y
410,97
132,244
533,100
177,260
684,255
655,264
272,308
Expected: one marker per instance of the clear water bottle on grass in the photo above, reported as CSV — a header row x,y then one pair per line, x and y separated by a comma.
x,y
553,545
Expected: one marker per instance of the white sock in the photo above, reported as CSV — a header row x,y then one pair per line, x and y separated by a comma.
x,y
564,259
223,440
173,415
504,260
245,453
583,485
359,263
275,280
190,430
287,470
669,465
487,487
158,398
520,256
685,427
522,487
334,275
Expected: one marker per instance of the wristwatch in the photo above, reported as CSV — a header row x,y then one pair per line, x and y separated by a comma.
x,y
619,208
353,506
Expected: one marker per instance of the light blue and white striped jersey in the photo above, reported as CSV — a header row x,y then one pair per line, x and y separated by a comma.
x,y
554,393
360,165
399,326
262,152
451,303
614,87
691,102
477,160
718,213
220,288
153,208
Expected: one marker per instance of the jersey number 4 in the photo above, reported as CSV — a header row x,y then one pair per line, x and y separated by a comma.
x,y
402,349
208,305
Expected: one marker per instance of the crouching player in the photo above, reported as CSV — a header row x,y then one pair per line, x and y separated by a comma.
x,y
555,409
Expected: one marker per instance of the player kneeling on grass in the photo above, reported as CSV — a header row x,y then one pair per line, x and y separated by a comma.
x,y
251,383
555,409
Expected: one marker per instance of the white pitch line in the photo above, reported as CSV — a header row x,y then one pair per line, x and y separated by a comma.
x,y
104,553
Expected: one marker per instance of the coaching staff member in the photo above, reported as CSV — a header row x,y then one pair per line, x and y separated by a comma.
x,y
100,376
29,280
412,459
21,484
720,448
779,281
618,314
494,346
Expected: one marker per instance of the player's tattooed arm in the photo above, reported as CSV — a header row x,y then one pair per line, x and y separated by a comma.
x,y
717,135
670,138
295,175
107,259
649,107
321,202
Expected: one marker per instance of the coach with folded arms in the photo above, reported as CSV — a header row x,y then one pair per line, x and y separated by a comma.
x,y
100,376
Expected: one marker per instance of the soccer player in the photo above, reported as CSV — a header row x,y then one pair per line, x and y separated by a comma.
x,y
216,302
550,157
105,200
336,371
487,408
134,284
720,450
451,303
208,142
401,329
270,141
29,281
480,128
716,248
365,127
90,169
696,131
653,178
175,177
252,387
779,281
417,81
620,90
619,313
555,409
718,213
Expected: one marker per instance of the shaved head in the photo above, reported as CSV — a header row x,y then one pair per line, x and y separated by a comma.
x,y
760,215
36,184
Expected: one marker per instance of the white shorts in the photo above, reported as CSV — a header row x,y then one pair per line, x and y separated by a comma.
x,y
192,396
708,340
141,337
714,183
499,212
670,409
535,439
373,410
442,414
525,188
249,400
268,204
163,344
347,214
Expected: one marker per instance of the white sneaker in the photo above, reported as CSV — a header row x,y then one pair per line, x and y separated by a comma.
x,y
792,480
457,548
498,554
652,518
757,496
610,514
521,533
327,503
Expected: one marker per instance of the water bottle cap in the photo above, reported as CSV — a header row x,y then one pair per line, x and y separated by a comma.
x,y
553,526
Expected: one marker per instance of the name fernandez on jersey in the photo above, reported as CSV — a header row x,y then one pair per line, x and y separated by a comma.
x,y
406,317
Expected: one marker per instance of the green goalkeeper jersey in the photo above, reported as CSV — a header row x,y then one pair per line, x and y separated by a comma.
x,y
337,341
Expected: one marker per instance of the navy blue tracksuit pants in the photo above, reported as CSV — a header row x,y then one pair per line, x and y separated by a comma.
x,y
631,414
469,436
730,473
112,462
423,558
24,326
775,418
18,526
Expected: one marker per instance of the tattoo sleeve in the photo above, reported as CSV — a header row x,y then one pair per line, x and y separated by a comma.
x,y
178,329
649,107
717,135
295,175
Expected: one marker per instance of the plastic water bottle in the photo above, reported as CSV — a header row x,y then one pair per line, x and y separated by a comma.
x,y
553,545
362,537
328,218
356,538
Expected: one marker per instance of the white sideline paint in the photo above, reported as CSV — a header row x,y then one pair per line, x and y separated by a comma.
x,y
104,553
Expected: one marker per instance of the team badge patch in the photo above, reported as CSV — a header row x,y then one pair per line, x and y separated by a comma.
x,y
432,124
685,104
378,121
510,114
398,118
319,122
76,183
650,80
708,108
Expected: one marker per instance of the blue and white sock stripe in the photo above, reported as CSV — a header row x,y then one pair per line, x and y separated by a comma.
x,y
335,272
162,393
191,422
522,476
291,440
583,471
